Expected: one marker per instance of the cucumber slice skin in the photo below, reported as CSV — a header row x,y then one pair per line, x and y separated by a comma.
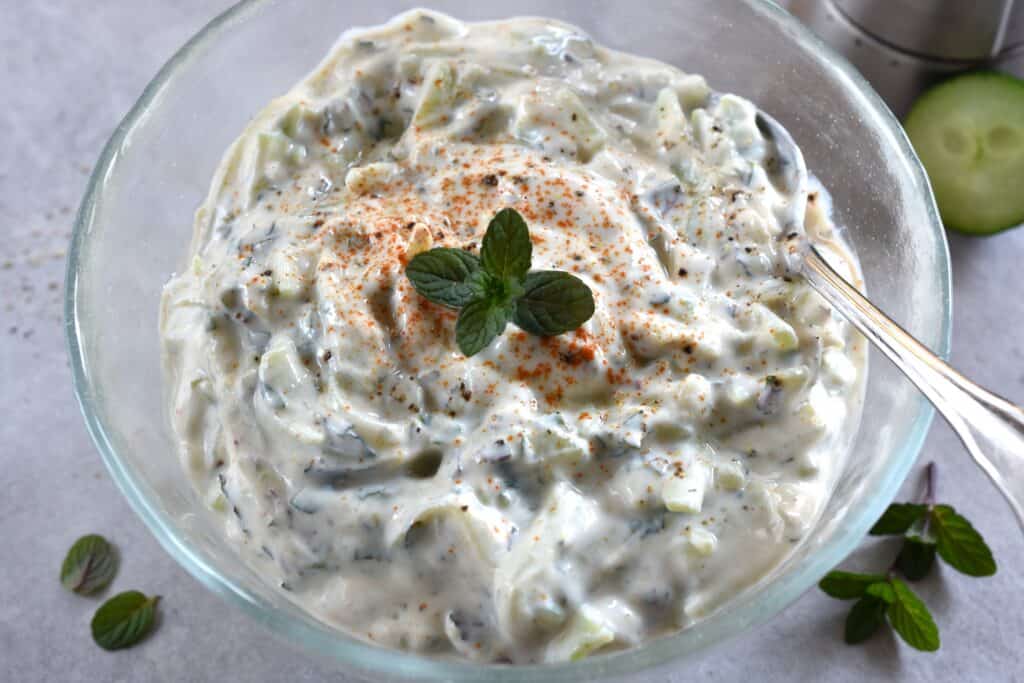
x,y
969,134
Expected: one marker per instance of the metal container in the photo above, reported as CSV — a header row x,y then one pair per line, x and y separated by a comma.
x,y
902,46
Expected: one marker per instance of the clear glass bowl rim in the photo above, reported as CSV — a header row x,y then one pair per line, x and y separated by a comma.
x,y
369,659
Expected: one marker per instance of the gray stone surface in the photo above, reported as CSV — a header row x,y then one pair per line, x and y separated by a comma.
x,y
69,71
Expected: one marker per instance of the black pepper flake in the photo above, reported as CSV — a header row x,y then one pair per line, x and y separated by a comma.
x,y
267,273
410,225
683,272
688,348
579,193
792,236
327,355
490,180
464,508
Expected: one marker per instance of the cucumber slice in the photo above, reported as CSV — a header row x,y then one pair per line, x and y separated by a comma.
x,y
969,134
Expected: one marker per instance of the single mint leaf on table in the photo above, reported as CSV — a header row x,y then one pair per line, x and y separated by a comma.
x,y
124,620
959,543
506,250
916,557
440,275
866,615
848,585
479,323
553,302
911,618
898,518
89,566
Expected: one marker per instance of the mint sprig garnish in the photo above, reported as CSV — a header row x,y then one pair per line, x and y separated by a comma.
x,y
928,530
498,287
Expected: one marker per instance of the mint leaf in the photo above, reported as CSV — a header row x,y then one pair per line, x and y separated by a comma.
x,y
916,557
479,323
959,544
123,620
911,619
89,566
506,248
897,518
847,585
866,615
553,302
440,275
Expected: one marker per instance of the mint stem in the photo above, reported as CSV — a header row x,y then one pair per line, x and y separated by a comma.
x,y
927,498
931,477
931,481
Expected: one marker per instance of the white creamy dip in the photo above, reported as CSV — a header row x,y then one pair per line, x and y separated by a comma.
x,y
547,497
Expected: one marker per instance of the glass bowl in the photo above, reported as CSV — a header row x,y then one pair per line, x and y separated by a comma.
x,y
135,223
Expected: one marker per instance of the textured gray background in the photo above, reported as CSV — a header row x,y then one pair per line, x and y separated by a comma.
x,y
69,70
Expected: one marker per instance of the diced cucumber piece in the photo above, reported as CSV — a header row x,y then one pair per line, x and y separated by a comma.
x,y
693,91
671,121
586,632
686,493
438,97
366,179
300,123
730,475
551,440
701,541
969,134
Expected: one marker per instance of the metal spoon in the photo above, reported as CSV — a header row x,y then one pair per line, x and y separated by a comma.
x,y
990,427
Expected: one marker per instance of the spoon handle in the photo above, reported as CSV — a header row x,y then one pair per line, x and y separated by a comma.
x,y
990,427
